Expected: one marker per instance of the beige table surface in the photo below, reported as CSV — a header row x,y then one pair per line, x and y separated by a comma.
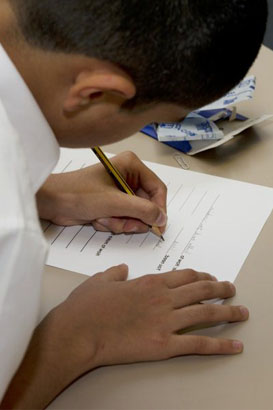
x,y
239,382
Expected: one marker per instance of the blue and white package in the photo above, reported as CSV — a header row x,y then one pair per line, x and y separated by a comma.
x,y
183,146
194,127
201,125
220,114
242,92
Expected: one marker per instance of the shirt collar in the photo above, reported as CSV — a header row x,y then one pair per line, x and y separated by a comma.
x,y
38,141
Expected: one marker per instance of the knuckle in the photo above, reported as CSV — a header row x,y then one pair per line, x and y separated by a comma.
x,y
192,275
207,289
151,211
223,346
149,281
130,156
160,340
210,311
218,346
200,345
230,312
155,288
235,312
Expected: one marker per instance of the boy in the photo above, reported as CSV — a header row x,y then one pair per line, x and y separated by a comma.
x,y
87,73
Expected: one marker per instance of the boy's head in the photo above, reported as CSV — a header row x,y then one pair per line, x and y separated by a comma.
x,y
104,68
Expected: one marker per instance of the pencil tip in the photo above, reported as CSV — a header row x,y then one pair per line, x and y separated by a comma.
x,y
162,238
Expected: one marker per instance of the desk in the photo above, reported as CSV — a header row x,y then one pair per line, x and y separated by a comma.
x,y
238,382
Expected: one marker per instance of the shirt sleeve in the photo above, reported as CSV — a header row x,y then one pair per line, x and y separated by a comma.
x,y
22,255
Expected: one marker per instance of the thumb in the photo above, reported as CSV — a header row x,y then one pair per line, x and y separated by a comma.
x,y
123,205
116,273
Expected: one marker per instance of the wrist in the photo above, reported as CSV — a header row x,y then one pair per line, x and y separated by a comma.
x,y
47,202
54,204
67,342
53,361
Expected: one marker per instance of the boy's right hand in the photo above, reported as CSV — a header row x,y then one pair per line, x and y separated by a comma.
x,y
108,320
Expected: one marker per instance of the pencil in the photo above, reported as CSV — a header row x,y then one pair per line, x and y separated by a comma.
x,y
119,180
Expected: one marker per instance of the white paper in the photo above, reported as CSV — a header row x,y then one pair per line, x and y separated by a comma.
x,y
213,223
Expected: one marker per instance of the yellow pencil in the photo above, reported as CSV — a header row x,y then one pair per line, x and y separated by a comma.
x,y
119,180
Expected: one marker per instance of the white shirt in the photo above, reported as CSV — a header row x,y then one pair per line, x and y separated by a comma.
x,y
28,153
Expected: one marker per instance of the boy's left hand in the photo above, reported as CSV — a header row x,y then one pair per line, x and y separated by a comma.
x,y
89,195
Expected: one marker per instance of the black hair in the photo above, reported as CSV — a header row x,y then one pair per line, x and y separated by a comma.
x,y
187,52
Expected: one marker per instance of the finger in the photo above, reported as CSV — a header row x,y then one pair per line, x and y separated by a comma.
x,y
118,204
141,176
120,225
143,194
208,313
178,278
200,291
123,205
203,345
135,226
114,225
116,273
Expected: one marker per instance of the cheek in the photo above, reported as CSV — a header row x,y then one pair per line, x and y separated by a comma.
x,y
99,133
113,130
85,131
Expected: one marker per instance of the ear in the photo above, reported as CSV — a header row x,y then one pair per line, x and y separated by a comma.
x,y
90,85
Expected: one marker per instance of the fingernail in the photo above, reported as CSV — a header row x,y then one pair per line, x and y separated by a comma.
x,y
103,221
214,278
162,219
237,345
244,311
123,265
132,229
